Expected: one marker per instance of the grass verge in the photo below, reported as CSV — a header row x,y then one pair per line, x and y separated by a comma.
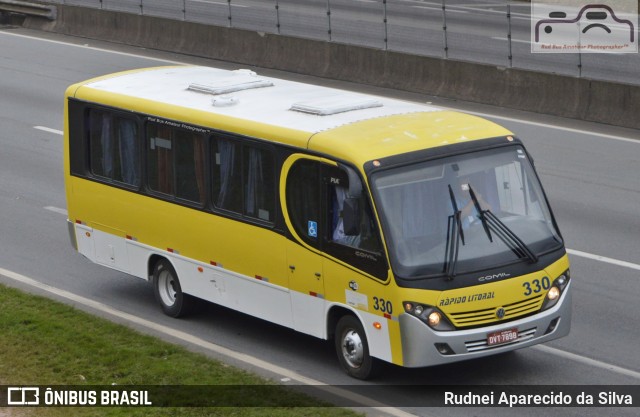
x,y
45,342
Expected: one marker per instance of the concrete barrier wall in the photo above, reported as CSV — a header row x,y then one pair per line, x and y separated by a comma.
x,y
579,98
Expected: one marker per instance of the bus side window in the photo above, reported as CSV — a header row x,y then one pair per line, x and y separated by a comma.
x,y
160,158
243,179
113,147
189,166
259,183
175,162
227,174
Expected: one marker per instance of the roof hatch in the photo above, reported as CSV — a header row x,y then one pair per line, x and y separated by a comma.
x,y
239,81
335,104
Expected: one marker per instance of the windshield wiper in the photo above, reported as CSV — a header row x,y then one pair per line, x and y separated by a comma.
x,y
491,222
481,213
454,236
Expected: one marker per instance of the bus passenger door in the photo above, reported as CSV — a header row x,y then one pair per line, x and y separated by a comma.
x,y
303,211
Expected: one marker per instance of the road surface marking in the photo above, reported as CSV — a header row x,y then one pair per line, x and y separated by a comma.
x,y
566,129
48,129
603,259
587,361
58,210
92,48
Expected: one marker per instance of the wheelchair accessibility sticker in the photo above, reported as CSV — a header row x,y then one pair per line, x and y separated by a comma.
x,y
313,228
588,28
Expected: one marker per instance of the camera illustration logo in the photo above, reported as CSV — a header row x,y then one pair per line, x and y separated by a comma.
x,y
589,28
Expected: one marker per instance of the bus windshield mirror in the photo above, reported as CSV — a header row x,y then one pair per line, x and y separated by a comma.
x,y
355,185
351,216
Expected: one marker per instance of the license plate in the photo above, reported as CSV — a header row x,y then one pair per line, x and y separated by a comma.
x,y
501,337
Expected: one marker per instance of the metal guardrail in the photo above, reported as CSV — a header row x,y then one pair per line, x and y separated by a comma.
x,y
28,8
495,32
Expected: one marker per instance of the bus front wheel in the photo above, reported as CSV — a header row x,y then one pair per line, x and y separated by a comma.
x,y
167,289
353,349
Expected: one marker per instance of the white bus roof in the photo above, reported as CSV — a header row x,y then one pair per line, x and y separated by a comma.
x,y
246,95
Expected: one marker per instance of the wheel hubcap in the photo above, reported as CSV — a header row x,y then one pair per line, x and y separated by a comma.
x,y
166,288
352,349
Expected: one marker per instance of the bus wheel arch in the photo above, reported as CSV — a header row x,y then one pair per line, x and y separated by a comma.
x,y
167,288
351,344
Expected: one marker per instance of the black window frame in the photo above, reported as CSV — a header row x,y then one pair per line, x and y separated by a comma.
x,y
371,262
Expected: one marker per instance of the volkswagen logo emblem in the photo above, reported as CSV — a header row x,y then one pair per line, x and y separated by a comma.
x,y
500,313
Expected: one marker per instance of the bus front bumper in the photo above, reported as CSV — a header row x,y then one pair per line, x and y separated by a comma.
x,y
422,346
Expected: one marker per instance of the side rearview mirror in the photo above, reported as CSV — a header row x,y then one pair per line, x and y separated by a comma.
x,y
351,216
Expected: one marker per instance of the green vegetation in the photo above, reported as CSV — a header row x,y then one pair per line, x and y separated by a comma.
x,y
48,343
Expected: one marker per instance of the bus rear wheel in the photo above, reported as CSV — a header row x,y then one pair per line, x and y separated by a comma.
x,y
352,348
168,292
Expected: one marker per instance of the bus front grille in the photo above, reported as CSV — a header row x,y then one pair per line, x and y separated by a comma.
x,y
489,315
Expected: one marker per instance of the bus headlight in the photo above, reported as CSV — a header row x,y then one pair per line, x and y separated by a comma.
x,y
429,315
553,294
557,288
434,319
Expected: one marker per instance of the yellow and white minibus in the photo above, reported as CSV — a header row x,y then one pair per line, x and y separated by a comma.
x,y
403,232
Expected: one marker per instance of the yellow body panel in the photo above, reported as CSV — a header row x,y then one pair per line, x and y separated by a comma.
x,y
190,233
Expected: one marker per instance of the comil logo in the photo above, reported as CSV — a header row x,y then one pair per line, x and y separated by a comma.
x,y
584,28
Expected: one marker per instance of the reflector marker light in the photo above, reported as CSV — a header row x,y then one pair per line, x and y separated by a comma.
x,y
173,251
132,238
390,317
214,263
261,278
315,294
377,325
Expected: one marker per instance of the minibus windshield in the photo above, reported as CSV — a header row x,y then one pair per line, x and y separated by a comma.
x,y
464,213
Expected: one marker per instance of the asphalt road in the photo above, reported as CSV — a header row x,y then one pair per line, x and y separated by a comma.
x,y
590,173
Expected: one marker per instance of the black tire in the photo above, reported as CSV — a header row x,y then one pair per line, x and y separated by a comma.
x,y
168,292
352,349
